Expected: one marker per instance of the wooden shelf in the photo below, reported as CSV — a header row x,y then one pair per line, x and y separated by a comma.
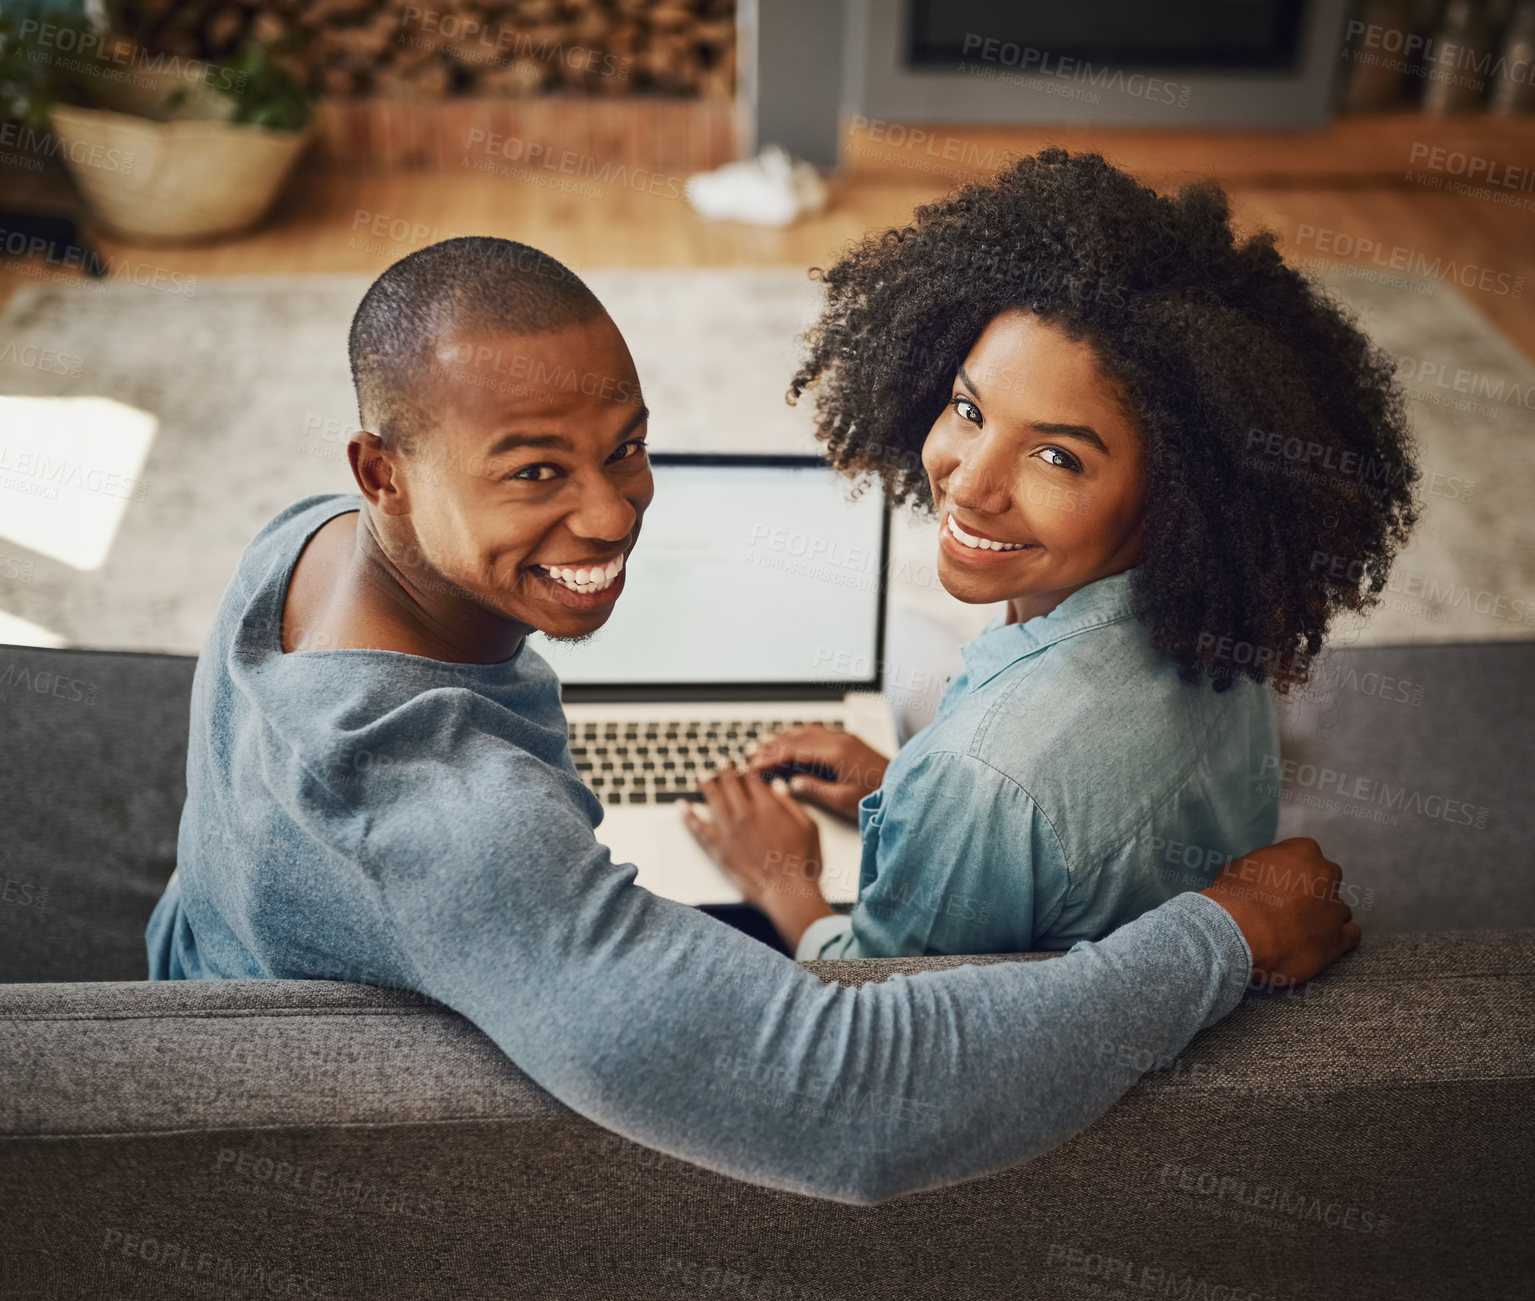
x,y
1368,150
675,135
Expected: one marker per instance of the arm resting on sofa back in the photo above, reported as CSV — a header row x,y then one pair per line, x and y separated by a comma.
x,y
1363,1135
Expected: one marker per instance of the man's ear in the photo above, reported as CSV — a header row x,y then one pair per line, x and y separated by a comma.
x,y
376,471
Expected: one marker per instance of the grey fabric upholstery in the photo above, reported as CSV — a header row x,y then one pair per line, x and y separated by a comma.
x,y
1368,1136
1375,1128
1469,738
93,755
93,792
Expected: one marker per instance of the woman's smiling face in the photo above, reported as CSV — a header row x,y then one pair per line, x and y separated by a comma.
x,y
1033,451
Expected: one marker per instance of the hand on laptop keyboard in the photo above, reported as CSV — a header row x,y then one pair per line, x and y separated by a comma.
x,y
658,762
767,845
826,766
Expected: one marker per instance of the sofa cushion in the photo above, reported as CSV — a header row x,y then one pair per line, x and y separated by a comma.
x,y
1411,766
93,770
94,775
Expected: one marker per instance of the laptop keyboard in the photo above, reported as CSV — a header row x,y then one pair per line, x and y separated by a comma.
x,y
656,763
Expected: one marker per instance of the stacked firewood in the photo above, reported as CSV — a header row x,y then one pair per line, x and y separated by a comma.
x,y
436,48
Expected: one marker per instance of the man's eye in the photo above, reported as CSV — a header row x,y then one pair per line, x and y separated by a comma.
x,y
628,451
1064,460
537,473
967,409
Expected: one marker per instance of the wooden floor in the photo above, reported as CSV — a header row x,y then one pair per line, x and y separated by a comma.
x,y
327,221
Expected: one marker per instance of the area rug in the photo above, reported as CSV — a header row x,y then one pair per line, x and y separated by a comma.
x,y
205,407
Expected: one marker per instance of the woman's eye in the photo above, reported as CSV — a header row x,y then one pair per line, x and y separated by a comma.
x,y
967,409
1064,460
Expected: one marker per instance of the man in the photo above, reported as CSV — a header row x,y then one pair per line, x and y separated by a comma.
x,y
379,789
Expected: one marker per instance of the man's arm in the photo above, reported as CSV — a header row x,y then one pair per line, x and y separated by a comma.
x,y
672,1029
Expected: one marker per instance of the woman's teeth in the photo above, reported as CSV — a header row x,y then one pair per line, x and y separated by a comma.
x,y
983,544
585,580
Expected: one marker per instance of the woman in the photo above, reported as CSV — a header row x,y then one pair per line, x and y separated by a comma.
x,y
1083,380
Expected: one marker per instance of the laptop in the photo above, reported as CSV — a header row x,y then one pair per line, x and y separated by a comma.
x,y
754,601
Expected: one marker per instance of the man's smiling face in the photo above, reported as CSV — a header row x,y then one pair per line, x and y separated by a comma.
x,y
528,492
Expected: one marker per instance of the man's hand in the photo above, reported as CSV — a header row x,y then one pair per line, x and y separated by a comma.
x,y
766,844
1285,901
844,768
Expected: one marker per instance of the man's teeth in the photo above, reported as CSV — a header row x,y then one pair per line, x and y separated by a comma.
x,y
984,544
583,579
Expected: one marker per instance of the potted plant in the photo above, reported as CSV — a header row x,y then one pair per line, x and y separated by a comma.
x,y
162,148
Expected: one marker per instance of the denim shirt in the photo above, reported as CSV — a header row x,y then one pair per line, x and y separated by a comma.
x,y
367,815
1069,782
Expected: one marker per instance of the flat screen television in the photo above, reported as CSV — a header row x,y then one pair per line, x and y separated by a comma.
x,y
1147,34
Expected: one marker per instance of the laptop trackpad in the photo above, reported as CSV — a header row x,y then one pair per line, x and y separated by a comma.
x,y
670,861
673,864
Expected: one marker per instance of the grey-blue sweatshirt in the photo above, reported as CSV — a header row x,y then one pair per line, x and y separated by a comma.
x,y
375,816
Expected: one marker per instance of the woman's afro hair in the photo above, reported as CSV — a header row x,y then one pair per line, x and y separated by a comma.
x,y
1279,467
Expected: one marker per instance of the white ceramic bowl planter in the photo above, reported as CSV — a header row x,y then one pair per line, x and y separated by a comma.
x,y
195,176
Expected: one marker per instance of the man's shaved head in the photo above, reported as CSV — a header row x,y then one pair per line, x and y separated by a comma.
x,y
474,285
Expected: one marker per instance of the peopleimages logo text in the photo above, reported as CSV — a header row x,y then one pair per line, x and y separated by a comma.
x,y
1371,790
1030,59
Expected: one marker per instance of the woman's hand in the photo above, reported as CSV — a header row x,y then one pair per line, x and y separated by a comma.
x,y
766,844
848,769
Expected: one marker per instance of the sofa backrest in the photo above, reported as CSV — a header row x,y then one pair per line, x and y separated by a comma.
x,y
93,749
93,777
1366,1135
1412,767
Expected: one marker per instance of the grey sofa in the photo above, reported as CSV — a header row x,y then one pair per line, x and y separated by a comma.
x,y
1368,1135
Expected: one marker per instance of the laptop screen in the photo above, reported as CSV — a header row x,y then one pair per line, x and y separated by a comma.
x,y
759,573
